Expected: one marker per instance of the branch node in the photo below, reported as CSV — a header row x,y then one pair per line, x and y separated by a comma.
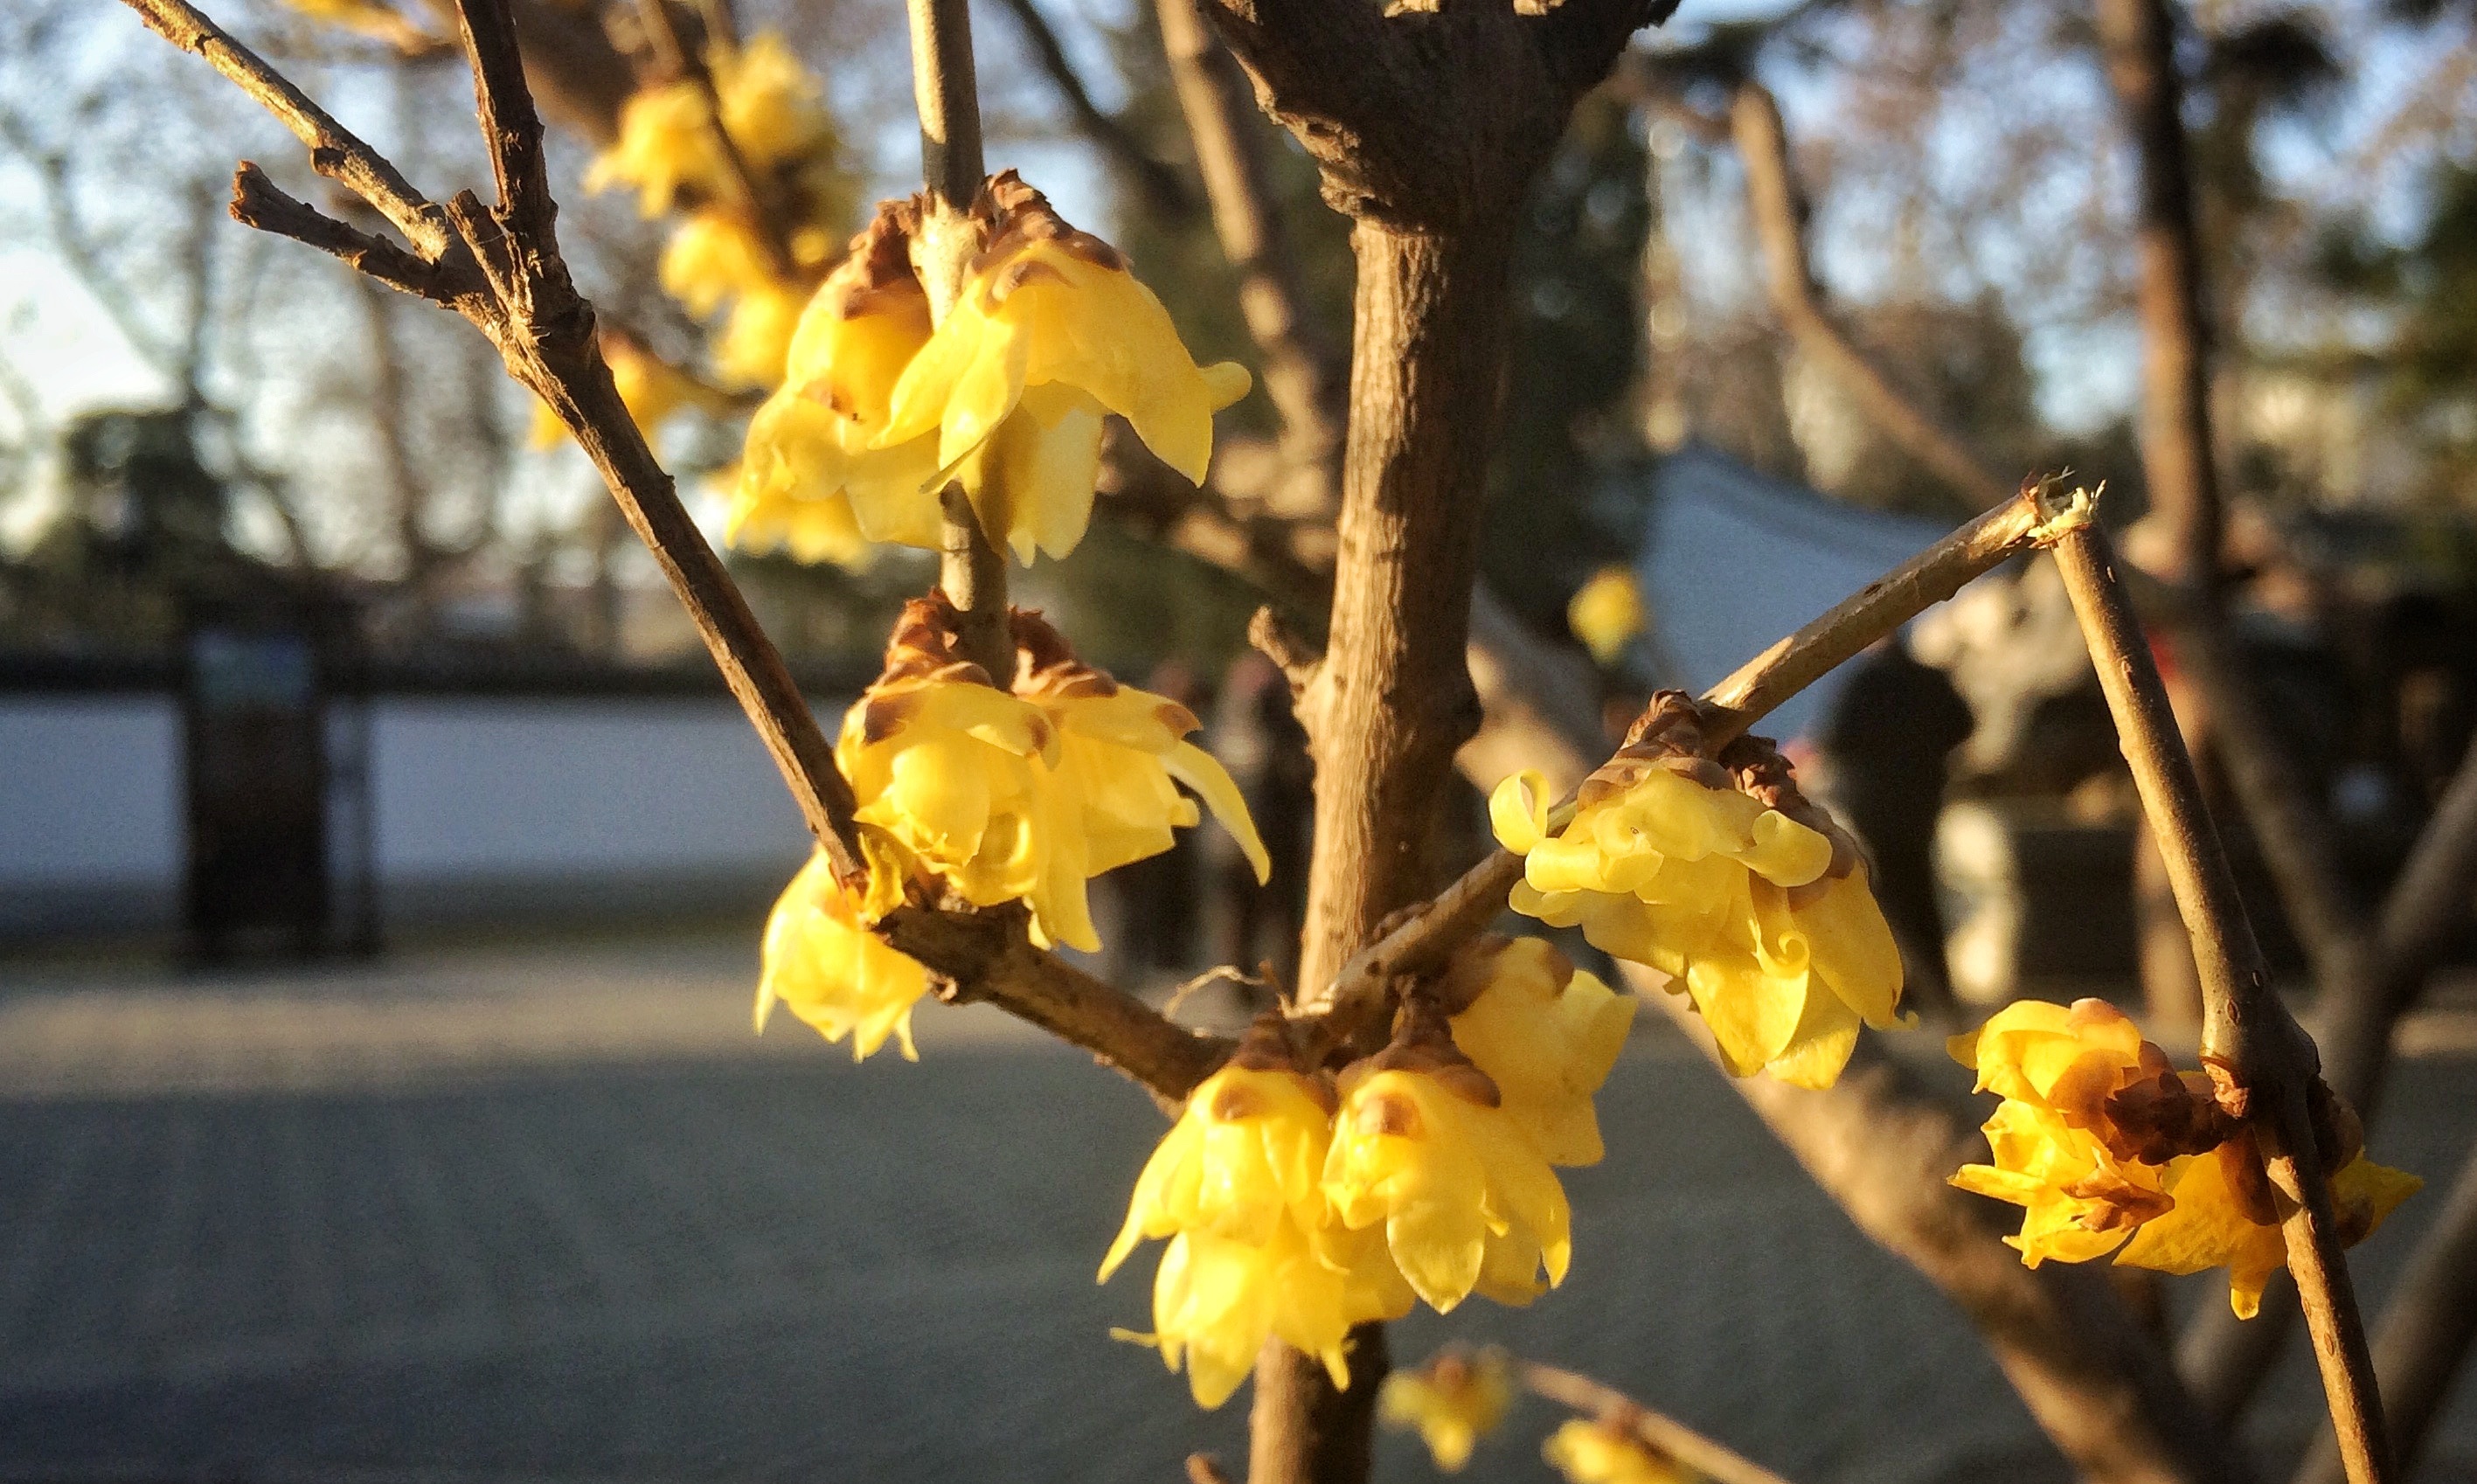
x,y
1294,656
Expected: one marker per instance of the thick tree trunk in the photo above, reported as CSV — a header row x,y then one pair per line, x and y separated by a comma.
x,y
1393,699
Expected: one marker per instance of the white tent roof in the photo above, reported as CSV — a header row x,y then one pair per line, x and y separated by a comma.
x,y
1735,558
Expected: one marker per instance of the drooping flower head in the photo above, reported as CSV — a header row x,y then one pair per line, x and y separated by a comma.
x,y
1454,1400
1423,1149
1544,1032
1024,793
1607,612
1609,1452
2109,1149
1253,1251
822,960
1721,876
1047,305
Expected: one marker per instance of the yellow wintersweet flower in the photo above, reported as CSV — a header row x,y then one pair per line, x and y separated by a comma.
x,y
2101,1140
2228,1214
1606,1453
668,147
832,970
371,19
1606,612
1253,1253
1466,1202
1455,1401
1119,750
1545,1033
1024,794
1046,305
1751,900
2055,1069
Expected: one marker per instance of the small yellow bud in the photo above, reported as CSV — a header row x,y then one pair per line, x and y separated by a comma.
x,y
1606,612
1606,1453
1454,1401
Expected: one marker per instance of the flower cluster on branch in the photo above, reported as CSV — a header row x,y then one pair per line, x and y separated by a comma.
x,y
2109,1149
1720,873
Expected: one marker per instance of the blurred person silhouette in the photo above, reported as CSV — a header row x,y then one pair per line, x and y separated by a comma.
x,y
1886,746
1256,735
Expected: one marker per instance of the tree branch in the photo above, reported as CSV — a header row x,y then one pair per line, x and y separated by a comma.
x,y
1778,210
2246,1030
1165,193
1712,1459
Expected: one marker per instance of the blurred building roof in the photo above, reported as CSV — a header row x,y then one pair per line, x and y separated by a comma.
x,y
1734,559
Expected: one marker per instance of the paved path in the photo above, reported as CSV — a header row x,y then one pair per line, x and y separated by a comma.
x,y
552,1213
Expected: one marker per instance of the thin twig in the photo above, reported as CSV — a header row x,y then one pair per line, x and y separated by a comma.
x,y
1776,211
970,568
1713,1459
2245,1029
1419,941
1163,191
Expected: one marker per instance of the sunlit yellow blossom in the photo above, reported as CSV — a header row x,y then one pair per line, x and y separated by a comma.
x,y
1602,1453
2218,1221
2101,1140
1545,1033
1119,749
1606,612
667,144
1049,305
1749,897
2055,1067
1253,1253
756,336
811,531
1024,794
1466,1200
832,971
1454,1401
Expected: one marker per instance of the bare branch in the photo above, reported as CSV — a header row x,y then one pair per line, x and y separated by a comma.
x,y
1713,1460
1162,189
335,151
1778,210
2245,1029
259,202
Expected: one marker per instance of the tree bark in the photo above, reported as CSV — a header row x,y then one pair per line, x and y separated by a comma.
x,y
1393,699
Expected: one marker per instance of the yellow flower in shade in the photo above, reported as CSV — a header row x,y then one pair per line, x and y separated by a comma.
x,y
832,970
652,389
1545,1033
667,147
1454,1401
811,531
1024,794
2110,1149
1606,612
1421,1148
1606,1453
1253,1253
1046,305
1747,896
755,337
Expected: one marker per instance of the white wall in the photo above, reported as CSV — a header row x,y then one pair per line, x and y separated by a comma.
x,y
483,806
90,790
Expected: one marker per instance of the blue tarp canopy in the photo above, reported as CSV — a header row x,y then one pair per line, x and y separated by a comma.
x,y
1734,559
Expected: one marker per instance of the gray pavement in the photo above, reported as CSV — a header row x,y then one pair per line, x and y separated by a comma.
x,y
551,1212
